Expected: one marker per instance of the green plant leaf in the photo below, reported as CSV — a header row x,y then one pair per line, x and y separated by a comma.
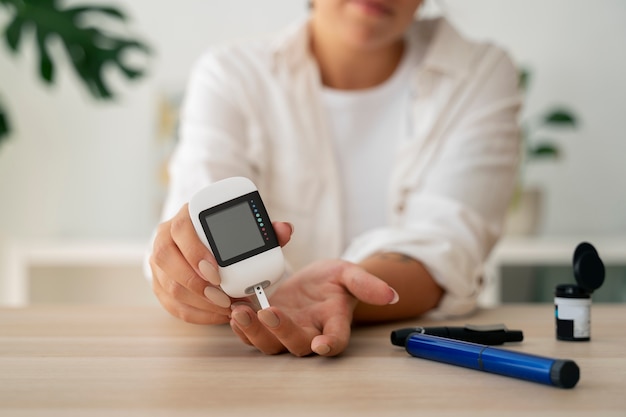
x,y
5,128
523,78
13,3
543,150
90,49
561,117
46,66
13,33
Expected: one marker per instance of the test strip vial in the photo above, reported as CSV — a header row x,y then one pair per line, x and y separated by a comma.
x,y
572,310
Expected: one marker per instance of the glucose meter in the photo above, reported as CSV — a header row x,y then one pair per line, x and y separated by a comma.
x,y
232,222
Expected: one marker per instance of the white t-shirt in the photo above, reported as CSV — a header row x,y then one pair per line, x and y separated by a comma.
x,y
366,127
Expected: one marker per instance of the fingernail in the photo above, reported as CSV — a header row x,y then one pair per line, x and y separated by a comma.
x,y
396,297
268,318
208,272
293,228
217,297
322,349
242,317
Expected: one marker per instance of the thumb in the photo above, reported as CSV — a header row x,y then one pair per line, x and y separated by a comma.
x,y
368,288
283,230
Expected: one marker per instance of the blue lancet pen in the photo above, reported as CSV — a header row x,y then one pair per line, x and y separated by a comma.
x,y
562,373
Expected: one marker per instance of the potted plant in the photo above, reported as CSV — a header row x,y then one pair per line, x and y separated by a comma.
x,y
89,48
525,212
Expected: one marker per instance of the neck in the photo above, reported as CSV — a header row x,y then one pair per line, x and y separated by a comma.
x,y
347,68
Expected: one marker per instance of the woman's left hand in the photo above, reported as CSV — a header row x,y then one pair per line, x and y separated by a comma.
x,y
312,310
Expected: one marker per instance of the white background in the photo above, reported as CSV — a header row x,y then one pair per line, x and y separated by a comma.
x,y
77,168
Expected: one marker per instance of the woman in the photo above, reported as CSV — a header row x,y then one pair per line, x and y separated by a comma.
x,y
391,144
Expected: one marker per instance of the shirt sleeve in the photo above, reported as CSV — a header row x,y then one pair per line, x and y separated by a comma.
x,y
212,136
453,215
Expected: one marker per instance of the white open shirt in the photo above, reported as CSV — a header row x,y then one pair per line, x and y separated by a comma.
x,y
256,110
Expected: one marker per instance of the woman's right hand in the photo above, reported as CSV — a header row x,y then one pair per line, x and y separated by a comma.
x,y
185,277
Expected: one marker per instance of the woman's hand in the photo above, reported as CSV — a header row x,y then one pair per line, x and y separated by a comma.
x,y
311,310
184,272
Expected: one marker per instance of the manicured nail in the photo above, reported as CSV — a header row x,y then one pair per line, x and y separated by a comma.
x,y
396,297
322,349
208,272
217,297
242,317
268,318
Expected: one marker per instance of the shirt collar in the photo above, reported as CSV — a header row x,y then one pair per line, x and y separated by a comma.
x,y
447,52
291,47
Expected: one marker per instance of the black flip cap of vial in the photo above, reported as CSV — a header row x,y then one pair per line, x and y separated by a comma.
x,y
588,267
564,373
589,271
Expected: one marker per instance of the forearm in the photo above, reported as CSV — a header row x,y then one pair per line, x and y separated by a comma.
x,y
417,289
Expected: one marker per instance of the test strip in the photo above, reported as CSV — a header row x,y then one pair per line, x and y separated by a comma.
x,y
260,295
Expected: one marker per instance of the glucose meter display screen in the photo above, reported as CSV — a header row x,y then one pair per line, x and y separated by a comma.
x,y
238,229
235,230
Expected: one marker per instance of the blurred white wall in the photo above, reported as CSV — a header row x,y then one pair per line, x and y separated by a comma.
x,y
79,168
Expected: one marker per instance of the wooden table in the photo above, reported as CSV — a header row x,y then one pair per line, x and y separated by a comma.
x,y
112,361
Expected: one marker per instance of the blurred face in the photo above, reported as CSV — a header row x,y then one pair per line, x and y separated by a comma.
x,y
364,24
